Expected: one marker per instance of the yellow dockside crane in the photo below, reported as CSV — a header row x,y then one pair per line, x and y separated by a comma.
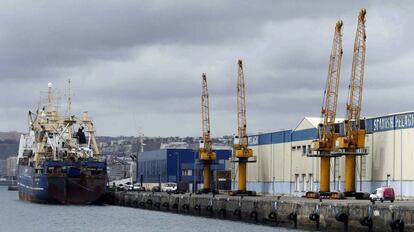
x,y
353,143
327,133
241,151
206,155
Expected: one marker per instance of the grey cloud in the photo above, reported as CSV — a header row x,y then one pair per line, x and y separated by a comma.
x,y
139,63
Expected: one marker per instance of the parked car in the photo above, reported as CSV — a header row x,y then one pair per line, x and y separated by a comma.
x,y
120,187
156,189
170,187
137,187
128,186
383,194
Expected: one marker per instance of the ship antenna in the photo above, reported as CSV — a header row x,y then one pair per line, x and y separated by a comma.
x,y
69,99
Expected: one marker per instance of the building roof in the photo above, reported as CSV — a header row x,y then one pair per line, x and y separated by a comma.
x,y
315,121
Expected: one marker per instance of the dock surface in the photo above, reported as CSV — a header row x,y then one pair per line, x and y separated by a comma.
x,y
282,211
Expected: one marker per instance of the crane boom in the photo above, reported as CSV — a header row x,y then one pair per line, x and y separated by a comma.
x,y
241,107
205,112
357,79
331,90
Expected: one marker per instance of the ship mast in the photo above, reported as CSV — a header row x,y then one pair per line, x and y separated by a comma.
x,y
49,98
69,99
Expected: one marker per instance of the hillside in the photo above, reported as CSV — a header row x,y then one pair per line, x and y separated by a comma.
x,y
11,135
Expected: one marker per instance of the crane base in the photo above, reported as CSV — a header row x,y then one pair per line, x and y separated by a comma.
x,y
242,193
357,195
207,191
325,195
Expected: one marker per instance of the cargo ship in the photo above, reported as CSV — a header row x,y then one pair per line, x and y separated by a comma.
x,y
59,160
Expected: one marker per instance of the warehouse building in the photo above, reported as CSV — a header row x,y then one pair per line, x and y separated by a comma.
x,y
176,165
283,167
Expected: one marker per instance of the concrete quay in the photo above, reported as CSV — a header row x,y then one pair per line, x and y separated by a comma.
x,y
283,211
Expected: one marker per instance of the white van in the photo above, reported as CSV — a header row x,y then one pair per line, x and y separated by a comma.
x,y
170,187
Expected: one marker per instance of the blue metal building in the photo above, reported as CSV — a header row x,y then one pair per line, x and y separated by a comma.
x,y
175,165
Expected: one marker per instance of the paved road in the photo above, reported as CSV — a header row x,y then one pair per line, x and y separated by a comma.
x,y
347,201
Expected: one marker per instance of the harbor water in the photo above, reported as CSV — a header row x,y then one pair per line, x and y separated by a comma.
x,y
17,215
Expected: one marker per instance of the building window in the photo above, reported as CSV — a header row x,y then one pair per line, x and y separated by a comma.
x,y
364,166
293,148
303,188
310,181
337,163
303,150
187,172
296,182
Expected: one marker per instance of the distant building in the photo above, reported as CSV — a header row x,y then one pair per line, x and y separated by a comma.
x,y
3,168
175,165
174,145
11,165
119,171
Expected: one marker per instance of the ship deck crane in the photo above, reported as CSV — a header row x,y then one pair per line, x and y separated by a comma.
x,y
241,151
206,154
327,133
353,143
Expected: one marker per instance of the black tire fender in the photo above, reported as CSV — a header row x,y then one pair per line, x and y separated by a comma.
x,y
237,213
342,217
272,215
209,208
185,206
197,207
293,216
314,217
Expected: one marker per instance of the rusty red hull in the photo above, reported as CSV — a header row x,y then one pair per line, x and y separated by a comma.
x,y
82,190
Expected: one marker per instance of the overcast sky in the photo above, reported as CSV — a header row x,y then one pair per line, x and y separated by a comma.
x,y
138,64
